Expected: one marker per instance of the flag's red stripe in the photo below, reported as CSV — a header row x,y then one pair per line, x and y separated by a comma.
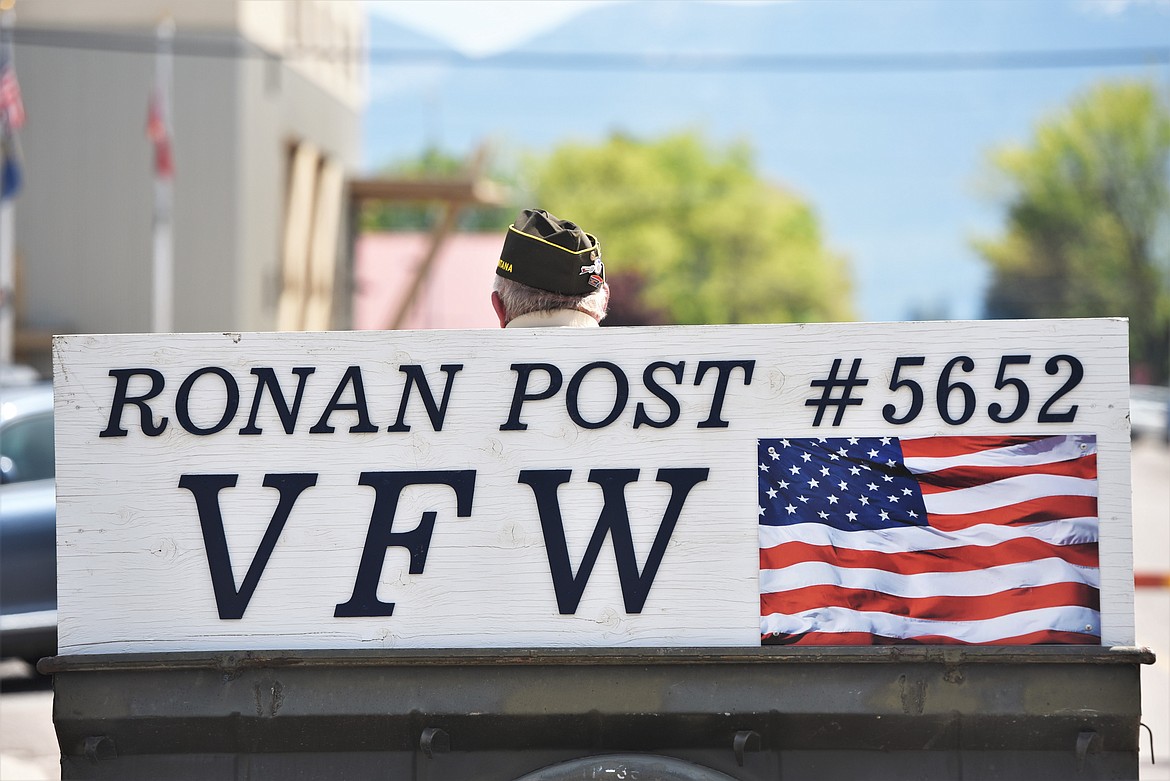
x,y
939,608
965,558
1047,508
1045,637
943,447
968,476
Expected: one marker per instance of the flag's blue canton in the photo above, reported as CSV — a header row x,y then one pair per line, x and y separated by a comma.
x,y
848,483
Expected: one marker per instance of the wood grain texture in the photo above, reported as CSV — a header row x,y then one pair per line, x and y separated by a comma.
x,y
132,568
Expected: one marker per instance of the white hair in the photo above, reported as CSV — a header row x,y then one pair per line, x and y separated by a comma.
x,y
520,299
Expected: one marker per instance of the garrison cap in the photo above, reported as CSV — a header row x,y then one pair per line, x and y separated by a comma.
x,y
552,255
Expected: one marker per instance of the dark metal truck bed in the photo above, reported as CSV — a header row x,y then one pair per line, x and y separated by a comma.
x,y
897,712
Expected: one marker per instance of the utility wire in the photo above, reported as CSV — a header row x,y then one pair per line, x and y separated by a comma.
x,y
235,47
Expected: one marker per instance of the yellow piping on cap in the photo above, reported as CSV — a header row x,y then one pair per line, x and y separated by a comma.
x,y
558,246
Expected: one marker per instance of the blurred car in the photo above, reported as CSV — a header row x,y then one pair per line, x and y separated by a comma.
x,y
28,536
1149,411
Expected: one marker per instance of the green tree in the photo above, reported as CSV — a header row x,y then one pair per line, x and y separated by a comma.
x,y
1088,206
696,231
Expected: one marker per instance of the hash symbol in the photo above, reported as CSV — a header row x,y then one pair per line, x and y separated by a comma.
x,y
846,385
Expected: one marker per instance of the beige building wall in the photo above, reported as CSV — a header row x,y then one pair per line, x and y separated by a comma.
x,y
253,80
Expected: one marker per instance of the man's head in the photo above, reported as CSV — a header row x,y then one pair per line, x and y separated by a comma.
x,y
548,265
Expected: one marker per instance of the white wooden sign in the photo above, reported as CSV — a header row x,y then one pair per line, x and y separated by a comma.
x,y
630,487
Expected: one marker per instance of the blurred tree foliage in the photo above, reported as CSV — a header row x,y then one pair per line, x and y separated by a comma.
x,y
433,163
693,233
1088,213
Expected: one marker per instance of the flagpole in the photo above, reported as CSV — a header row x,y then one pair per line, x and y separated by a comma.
x,y
7,283
162,320
7,230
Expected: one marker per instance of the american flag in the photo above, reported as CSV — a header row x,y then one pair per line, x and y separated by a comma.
x,y
11,119
979,540
159,134
11,102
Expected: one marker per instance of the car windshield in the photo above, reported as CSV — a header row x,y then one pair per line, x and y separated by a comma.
x,y
26,449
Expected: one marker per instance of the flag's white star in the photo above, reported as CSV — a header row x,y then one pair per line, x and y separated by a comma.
x,y
852,516
893,499
872,486
783,483
822,440
772,452
913,514
813,483
832,499
802,499
772,493
784,442
823,515
794,470
853,470
843,451
888,478
790,509
843,485
885,440
763,467
761,511
806,457
824,471
864,500
872,454
852,441
834,457
884,515
906,492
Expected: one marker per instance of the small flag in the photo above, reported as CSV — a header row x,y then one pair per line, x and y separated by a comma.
x,y
11,104
977,540
11,119
11,176
159,134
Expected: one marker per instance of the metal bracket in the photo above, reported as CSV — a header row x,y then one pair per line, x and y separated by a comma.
x,y
1151,734
1084,743
434,741
100,747
745,740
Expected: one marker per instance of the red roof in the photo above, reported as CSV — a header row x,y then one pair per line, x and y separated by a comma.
x,y
456,294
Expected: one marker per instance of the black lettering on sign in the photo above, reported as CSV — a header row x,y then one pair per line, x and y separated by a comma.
x,y
121,399
230,405
205,488
1075,375
724,368
437,413
266,378
615,521
521,394
621,394
672,405
353,376
388,488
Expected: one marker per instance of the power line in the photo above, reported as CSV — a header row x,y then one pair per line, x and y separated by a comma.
x,y
234,47
922,62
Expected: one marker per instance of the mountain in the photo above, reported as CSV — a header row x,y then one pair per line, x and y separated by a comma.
x,y
893,158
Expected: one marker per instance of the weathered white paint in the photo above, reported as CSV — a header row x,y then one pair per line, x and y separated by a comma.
x,y
133,573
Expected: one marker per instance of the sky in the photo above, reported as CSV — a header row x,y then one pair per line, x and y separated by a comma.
x,y
894,163
480,28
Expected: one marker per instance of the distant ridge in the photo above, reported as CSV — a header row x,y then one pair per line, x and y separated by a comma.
x,y
891,161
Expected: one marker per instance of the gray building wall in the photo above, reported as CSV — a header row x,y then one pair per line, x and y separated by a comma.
x,y
84,218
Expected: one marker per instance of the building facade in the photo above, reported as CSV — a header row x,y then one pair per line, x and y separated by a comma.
x,y
265,108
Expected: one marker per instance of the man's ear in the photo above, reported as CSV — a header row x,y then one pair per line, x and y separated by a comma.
x,y
498,305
